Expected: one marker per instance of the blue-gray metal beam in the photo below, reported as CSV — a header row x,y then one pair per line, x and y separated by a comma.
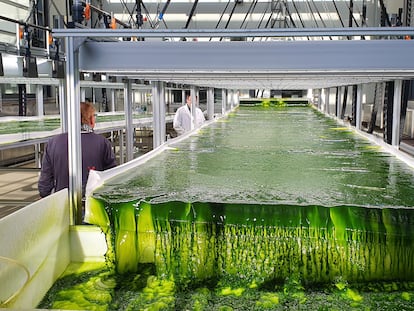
x,y
243,33
128,121
74,133
255,62
314,56
396,113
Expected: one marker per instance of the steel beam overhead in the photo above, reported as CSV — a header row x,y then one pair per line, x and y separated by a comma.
x,y
246,65
208,33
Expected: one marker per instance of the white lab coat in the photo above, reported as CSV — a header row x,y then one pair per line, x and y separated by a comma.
x,y
183,119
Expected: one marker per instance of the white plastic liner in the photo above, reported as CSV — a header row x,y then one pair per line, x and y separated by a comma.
x,y
34,250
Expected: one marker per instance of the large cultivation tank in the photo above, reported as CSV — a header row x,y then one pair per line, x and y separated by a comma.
x,y
269,208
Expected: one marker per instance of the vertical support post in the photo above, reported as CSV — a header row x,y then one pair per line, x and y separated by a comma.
x,y
22,100
230,98
112,100
320,99
237,98
121,147
337,101
183,99
39,100
104,100
210,103
358,113
47,44
223,101
74,134
388,110
159,131
38,160
62,106
327,92
344,102
18,38
82,94
194,96
128,120
396,113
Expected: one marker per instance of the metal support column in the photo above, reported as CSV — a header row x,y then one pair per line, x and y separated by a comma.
x,y
128,120
39,100
62,106
388,110
38,158
112,100
74,134
158,104
319,104
358,114
223,101
82,94
121,147
231,98
194,97
337,101
327,92
210,103
22,100
396,113
344,101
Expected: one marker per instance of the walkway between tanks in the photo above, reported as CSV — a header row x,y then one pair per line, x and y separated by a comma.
x,y
18,188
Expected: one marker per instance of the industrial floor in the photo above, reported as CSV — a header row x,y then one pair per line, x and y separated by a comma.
x,y
18,188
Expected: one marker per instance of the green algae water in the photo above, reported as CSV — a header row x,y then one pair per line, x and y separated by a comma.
x,y
269,209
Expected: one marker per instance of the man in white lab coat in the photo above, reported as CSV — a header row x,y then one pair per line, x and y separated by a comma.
x,y
183,118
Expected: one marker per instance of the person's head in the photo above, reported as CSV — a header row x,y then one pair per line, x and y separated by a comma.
x,y
87,114
189,101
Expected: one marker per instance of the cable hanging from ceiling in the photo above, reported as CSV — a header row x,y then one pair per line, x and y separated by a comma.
x,y
221,16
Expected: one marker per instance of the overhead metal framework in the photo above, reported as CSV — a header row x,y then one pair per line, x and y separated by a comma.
x,y
272,64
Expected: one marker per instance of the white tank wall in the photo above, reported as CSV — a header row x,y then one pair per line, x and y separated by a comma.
x,y
34,250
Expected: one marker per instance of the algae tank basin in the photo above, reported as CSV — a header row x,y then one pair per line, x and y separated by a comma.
x,y
271,208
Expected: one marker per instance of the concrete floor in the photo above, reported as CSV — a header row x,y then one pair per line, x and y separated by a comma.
x,y
18,188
